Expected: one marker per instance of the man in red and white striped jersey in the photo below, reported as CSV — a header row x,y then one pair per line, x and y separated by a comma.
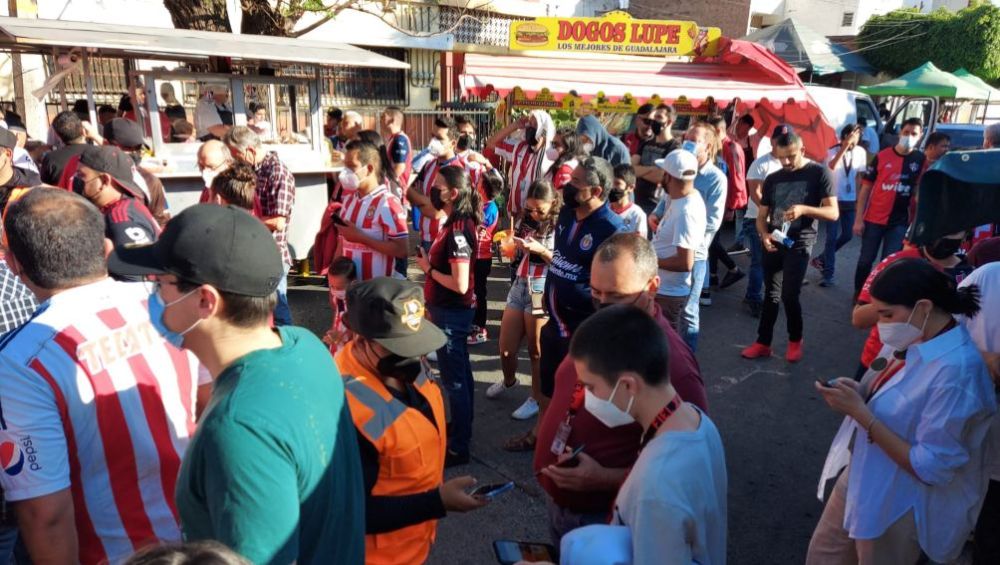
x,y
442,147
373,233
96,408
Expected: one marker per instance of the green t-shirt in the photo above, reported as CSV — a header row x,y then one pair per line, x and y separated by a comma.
x,y
273,469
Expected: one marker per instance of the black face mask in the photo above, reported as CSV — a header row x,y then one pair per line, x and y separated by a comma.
x,y
406,369
531,136
616,194
529,223
465,141
436,199
656,127
943,248
569,196
638,302
78,186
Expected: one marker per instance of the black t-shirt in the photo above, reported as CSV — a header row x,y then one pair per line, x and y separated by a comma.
x,y
645,191
55,161
784,189
454,244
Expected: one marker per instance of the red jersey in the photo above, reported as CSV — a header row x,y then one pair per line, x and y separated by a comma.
x,y
893,179
617,448
380,216
633,143
429,226
453,245
736,195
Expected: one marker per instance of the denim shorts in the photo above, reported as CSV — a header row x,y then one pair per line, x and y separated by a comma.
x,y
519,297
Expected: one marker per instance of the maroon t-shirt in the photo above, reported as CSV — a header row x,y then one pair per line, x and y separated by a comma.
x,y
611,447
454,243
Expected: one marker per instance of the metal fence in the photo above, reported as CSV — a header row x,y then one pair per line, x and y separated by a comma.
x,y
419,124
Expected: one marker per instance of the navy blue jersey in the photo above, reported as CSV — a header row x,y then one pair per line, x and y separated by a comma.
x,y
567,287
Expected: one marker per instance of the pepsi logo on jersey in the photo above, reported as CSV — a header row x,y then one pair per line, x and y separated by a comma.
x,y
13,456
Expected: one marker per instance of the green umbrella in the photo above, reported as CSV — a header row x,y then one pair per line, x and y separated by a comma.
x,y
928,80
965,75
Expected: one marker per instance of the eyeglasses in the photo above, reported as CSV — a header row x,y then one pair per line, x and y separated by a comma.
x,y
153,285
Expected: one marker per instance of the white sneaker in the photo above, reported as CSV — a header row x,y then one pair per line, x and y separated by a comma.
x,y
498,388
527,410
432,356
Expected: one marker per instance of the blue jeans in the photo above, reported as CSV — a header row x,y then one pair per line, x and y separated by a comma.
x,y
838,234
282,312
889,238
689,317
8,539
755,277
456,373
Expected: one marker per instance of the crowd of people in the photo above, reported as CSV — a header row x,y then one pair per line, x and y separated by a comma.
x,y
158,401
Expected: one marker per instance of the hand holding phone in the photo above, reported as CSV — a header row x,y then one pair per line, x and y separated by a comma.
x,y
338,220
826,384
573,459
509,552
456,499
489,492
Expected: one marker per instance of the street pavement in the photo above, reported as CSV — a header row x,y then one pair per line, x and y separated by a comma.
x,y
775,427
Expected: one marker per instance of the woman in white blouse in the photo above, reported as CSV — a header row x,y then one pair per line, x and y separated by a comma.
x,y
914,430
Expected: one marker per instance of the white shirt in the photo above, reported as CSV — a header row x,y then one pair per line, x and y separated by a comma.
x,y
683,225
759,169
94,400
845,172
985,332
942,403
206,115
674,499
634,219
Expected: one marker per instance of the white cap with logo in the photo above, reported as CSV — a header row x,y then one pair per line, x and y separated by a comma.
x,y
679,164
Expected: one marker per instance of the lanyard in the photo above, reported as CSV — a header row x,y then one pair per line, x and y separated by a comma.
x,y
660,418
890,370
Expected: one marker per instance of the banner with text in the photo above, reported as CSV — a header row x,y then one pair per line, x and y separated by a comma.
x,y
616,34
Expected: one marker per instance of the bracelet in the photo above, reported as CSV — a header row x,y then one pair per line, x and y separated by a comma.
x,y
868,428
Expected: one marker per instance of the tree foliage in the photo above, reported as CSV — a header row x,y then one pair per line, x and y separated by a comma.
x,y
902,40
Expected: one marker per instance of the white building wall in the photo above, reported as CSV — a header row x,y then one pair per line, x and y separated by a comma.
x,y
825,16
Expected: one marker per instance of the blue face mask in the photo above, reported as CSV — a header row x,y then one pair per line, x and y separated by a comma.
x,y
690,147
156,309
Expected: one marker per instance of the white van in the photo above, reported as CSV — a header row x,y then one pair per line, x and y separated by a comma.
x,y
842,107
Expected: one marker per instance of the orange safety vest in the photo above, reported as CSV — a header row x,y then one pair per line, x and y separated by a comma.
x,y
410,449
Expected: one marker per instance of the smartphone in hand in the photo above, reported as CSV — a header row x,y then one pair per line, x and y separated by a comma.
x,y
338,220
492,491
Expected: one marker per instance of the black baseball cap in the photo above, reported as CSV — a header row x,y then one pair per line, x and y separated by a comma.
x,y
7,138
782,130
114,162
390,312
222,246
123,132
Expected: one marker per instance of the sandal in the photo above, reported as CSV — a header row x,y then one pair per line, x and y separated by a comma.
x,y
520,443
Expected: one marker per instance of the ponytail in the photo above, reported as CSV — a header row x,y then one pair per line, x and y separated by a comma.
x,y
908,281
469,204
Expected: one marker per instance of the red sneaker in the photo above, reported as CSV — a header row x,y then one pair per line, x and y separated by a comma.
x,y
756,350
794,353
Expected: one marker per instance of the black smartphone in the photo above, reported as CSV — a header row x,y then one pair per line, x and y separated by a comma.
x,y
573,457
826,384
338,220
493,490
509,552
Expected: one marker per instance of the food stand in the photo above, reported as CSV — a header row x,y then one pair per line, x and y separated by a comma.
x,y
614,64
269,69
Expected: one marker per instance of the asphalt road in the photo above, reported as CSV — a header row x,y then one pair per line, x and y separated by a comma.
x,y
775,428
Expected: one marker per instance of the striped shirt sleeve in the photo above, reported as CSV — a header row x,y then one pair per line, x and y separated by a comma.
x,y
392,216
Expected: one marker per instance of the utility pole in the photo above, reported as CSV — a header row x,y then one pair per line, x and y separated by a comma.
x,y
28,73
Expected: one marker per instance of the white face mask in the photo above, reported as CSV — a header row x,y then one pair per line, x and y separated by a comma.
x,y
435,147
588,148
349,179
208,175
338,294
909,142
605,411
901,335
551,154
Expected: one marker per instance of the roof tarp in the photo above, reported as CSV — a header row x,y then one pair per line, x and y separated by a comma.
x,y
181,44
994,94
807,50
743,70
927,80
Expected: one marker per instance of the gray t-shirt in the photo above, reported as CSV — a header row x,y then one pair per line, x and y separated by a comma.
x,y
674,500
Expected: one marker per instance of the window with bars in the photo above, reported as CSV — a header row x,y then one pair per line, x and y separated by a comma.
x,y
847,20
362,86
480,28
